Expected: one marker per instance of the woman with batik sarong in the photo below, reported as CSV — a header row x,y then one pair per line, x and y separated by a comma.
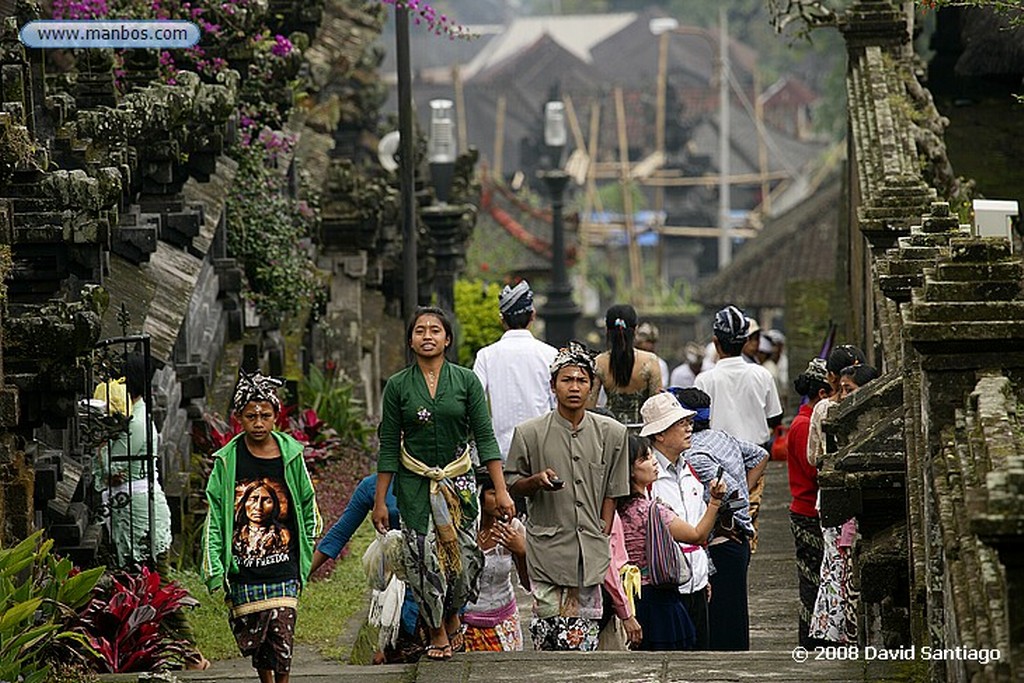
x,y
492,620
432,411
834,617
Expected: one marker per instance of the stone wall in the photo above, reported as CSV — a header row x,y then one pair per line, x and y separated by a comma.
x,y
938,490
113,206
99,211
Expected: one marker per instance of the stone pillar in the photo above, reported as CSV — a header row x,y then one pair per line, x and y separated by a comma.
x,y
898,272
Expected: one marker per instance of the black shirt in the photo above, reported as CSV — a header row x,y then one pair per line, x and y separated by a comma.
x,y
265,542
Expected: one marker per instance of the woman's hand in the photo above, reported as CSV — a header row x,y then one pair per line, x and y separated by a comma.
x,y
510,536
380,517
504,503
634,634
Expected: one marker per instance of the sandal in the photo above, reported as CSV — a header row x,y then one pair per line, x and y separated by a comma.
x,y
201,664
458,639
438,653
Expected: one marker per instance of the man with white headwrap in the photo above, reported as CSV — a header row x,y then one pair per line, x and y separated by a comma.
x,y
514,369
571,465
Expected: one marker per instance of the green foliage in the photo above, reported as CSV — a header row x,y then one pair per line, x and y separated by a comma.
x,y
40,596
608,273
476,303
330,395
265,230
612,196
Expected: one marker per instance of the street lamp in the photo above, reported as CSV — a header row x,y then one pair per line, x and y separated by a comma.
x,y
560,312
443,220
441,148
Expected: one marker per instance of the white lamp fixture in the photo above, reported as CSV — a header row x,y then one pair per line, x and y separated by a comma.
x,y
554,124
660,25
441,147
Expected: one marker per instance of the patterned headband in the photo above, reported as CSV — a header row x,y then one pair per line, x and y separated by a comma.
x,y
574,354
256,387
515,300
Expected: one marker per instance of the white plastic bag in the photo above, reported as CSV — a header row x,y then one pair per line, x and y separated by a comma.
x,y
386,612
383,559
375,565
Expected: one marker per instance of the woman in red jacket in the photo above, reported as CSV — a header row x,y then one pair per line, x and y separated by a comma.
x,y
803,486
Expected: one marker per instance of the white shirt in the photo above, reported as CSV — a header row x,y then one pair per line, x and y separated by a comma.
x,y
677,488
682,376
515,372
743,397
710,357
496,589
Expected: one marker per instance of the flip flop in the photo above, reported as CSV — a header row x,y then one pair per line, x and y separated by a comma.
x,y
199,665
458,639
438,653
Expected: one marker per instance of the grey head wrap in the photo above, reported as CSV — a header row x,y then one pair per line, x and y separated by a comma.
x,y
514,300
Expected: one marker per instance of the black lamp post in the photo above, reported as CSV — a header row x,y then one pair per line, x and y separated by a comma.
x,y
407,174
560,312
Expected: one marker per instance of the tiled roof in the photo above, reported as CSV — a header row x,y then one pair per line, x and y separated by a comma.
x,y
798,245
577,34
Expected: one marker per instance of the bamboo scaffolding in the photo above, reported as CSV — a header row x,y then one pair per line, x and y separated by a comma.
x,y
635,266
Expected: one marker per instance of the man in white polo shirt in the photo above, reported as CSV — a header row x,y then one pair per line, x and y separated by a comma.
x,y
670,426
514,370
744,399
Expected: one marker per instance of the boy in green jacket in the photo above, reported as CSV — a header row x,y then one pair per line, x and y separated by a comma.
x,y
260,529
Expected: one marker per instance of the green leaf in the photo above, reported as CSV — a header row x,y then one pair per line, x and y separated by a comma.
x,y
25,643
76,591
13,560
17,614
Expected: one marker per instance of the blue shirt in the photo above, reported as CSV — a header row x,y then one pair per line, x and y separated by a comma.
x,y
360,505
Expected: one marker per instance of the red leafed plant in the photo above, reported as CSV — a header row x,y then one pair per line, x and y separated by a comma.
x,y
125,626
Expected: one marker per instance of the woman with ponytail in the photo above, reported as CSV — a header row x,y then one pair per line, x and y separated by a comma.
x,y
813,385
629,376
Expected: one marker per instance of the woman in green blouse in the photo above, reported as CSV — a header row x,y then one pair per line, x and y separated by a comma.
x,y
432,411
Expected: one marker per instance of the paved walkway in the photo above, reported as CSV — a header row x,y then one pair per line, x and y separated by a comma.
x,y
773,609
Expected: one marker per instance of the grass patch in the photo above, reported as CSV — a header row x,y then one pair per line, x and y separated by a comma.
x,y
325,607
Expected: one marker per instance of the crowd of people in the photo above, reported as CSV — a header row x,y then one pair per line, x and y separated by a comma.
x,y
622,503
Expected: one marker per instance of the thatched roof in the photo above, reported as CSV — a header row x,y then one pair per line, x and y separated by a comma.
x,y
991,45
798,245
